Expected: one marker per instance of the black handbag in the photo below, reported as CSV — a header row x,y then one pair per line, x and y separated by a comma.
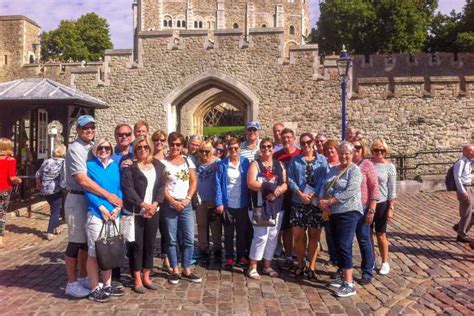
x,y
110,250
259,220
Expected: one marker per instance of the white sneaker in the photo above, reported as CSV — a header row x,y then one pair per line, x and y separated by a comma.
x,y
84,282
385,269
75,289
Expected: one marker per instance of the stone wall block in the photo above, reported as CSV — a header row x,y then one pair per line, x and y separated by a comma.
x,y
374,88
444,86
409,86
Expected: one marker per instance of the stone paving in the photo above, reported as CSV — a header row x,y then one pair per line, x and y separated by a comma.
x,y
431,274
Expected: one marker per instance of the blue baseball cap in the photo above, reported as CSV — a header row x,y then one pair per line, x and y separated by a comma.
x,y
253,124
83,120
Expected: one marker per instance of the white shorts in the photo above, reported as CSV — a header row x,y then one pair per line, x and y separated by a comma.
x,y
93,227
75,210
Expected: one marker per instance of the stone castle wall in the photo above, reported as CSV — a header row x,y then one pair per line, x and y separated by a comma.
x,y
412,110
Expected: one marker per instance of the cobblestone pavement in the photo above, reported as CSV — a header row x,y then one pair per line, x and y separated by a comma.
x,y
431,274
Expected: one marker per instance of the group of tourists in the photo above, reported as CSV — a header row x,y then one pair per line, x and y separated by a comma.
x,y
263,197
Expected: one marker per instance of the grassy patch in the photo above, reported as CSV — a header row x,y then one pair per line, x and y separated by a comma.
x,y
221,130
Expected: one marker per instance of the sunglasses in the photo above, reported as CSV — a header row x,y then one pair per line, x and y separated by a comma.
x,y
176,144
106,148
233,148
306,143
206,152
379,150
88,128
161,140
357,147
252,130
266,147
121,135
319,141
219,150
145,147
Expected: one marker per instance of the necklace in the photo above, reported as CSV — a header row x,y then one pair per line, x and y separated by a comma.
x,y
145,167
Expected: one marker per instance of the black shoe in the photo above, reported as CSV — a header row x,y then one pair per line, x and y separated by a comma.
x,y
173,278
98,295
365,280
191,278
456,227
465,240
117,284
113,291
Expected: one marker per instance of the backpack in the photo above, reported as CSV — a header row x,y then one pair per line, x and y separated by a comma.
x,y
449,179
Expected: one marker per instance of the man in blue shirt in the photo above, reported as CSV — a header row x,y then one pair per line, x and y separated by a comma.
x,y
123,150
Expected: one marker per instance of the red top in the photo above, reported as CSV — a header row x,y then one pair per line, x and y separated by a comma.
x,y
370,183
284,157
7,170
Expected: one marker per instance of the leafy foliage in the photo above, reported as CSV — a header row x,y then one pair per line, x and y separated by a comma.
x,y
368,27
453,32
84,39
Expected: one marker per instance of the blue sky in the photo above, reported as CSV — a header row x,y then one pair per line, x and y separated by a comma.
x,y
48,13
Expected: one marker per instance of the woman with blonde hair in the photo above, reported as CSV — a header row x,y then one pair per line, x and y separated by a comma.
x,y
104,171
206,214
159,142
8,178
387,178
51,180
143,185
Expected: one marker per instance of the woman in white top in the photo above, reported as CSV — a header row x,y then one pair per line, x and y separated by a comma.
x,y
177,211
387,176
143,193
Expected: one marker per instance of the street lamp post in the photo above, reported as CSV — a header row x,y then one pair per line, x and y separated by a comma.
x,y
344,62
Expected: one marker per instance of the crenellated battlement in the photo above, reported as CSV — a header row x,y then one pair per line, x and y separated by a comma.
x,y
406,65
421,87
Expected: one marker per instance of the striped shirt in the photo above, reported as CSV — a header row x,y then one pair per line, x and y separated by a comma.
x,y
249,153
387,176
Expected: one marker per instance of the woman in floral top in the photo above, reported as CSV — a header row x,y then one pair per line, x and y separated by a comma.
x,y
177,211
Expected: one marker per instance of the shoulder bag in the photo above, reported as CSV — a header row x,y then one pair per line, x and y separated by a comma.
x,y
110,250
257,214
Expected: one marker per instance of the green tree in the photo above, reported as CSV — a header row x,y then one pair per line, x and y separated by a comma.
x,y
367,26
453,32
84,39
443,33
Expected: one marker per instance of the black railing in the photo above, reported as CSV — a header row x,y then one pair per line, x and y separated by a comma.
x,y
408,164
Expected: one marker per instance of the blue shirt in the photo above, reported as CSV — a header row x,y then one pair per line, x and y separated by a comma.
x,y
346,190
206,181
221,182
297,174
106,177
119,156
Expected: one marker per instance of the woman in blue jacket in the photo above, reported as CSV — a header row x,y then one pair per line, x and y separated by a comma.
x,y
232,200
306,174
105,172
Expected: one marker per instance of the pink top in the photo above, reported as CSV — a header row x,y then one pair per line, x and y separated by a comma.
x,y
370,183
7,170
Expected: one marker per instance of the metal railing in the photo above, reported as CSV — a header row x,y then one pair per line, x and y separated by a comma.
x,y
407,164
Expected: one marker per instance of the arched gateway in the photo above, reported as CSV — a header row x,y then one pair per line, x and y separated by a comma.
x,y
187,105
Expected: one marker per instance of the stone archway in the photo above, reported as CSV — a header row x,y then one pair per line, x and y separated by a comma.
x,y
187,104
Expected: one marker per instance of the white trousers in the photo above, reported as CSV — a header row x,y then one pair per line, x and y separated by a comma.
x,y
265,239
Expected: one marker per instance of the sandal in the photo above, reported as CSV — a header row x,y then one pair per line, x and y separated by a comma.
x,y
297,272
311,275
253,274
150,286
270,272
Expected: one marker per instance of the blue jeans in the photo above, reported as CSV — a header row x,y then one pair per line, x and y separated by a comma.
x,y
179,232
330,242
55,202
363,238
343,227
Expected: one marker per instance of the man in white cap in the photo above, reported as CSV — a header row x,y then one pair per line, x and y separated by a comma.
x,y
249,148
75,206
